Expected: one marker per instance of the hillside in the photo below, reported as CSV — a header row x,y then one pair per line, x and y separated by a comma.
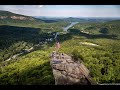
x,y
7,17
77,19
114,22
96,44
93,29
18,35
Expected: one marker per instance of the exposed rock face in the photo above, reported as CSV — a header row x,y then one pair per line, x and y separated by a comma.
x,y
68,72
17,17
21,18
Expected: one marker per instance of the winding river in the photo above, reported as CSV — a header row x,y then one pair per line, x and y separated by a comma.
x,y
69,26
66,28
32,48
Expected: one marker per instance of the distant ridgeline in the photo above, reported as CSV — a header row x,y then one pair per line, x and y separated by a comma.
x,y
7,17
94,41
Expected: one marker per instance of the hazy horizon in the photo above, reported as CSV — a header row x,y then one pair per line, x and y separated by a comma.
x,y
102,11
72,17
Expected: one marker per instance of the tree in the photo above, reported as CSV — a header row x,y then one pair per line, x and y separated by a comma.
x,y
76,55
104,30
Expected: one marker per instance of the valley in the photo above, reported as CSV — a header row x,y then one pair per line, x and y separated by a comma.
x,y
27,42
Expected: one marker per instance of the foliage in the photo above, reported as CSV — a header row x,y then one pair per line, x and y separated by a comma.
x,y
31,69
34,68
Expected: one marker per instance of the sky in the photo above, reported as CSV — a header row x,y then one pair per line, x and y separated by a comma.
x,y
65,10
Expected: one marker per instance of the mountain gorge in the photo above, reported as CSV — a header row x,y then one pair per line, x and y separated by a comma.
x,y
96,43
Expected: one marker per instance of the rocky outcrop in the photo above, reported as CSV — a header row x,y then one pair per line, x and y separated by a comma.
x,y
21,18
68,72
17,17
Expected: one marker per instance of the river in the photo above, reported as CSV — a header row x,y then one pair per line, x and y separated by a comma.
x,y
69,26
65,29
32,48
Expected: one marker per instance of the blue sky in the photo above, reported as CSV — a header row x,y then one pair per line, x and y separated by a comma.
x,y
65,10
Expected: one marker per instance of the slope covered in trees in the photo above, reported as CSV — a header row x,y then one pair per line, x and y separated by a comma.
x,y
17,36
103,60
10,18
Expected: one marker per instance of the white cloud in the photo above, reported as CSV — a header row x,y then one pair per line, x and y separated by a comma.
x,y
40,6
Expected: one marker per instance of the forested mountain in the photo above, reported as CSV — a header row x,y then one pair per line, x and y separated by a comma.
x,y
7,17
20,35
77,19
89,19
26,44
24,31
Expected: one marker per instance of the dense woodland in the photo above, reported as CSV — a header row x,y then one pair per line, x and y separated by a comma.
x,y
33,68
103,61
